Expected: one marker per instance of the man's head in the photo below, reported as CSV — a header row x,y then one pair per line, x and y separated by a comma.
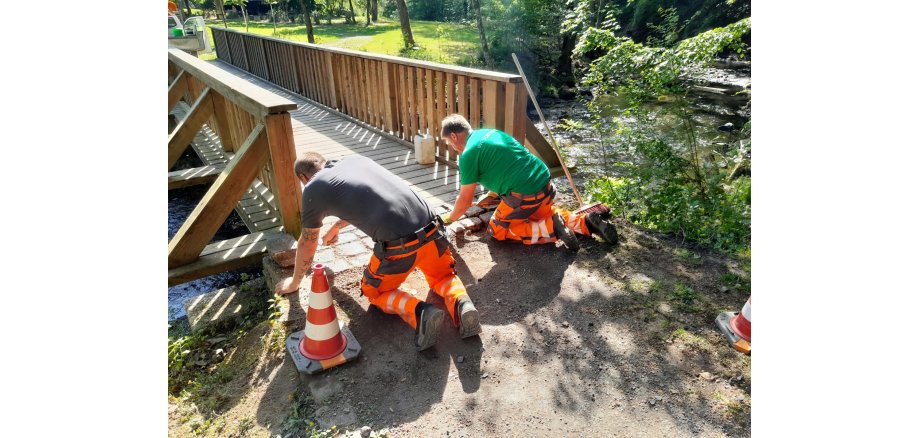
x,y
307,165
454,130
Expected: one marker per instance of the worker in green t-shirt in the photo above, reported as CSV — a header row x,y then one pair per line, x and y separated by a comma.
x,y
526,212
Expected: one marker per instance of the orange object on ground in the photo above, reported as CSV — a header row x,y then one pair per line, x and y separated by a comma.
x,y
736,326
392,262
324,342
529,218
323,337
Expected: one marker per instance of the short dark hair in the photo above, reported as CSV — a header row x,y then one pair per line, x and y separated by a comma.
x,y
454,124
308,164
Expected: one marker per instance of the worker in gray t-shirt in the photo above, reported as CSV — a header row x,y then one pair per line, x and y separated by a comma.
x,y
407,234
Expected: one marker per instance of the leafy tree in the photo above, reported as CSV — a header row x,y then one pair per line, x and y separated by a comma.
x,y
656,171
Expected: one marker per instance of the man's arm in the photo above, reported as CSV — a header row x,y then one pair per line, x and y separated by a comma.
x,y
306,249
332,236
464,201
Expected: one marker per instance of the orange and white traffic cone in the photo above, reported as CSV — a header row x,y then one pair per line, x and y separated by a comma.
x,y
324,342
737,327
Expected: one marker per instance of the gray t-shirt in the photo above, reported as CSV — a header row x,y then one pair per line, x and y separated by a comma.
x,y
366,195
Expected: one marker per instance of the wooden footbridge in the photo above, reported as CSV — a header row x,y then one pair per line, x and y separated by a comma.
x,y
265,101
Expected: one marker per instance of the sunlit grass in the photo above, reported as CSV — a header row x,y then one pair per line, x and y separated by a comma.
x,y
449,43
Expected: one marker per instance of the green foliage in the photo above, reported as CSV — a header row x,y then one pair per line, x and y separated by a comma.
x,y
665,177
685,298
299,421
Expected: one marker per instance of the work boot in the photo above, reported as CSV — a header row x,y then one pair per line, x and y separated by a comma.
x,y
428,325
605,229
469,317
564,234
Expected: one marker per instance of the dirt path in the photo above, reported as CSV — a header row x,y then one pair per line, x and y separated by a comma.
x,y
611,341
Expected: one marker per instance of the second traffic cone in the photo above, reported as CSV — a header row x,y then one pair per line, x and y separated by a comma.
x,y
324,342
737,327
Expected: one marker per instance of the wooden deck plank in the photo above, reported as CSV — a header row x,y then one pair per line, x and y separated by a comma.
x,y
195,176
223,256
317,129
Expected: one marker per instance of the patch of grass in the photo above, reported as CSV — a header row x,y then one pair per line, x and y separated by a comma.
x,y
688,256
242,428
691,340
449,43
299,421
733,280
685,298
570,125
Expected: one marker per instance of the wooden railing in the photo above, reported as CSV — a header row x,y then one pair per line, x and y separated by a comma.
x,y
400,96
254,125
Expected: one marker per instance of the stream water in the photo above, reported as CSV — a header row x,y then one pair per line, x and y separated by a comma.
x,y
717,99
181,203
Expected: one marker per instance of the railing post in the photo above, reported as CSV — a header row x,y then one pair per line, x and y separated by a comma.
x,y
516,111
389,98
286,186
335,98
493,104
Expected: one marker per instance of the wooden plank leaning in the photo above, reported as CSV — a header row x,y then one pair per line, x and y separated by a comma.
x,y
217,203
189,126
176,90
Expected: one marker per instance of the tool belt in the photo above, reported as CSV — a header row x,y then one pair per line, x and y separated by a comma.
x,y
516,200
410,243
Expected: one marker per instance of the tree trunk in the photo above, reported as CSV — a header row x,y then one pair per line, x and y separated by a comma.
x,y
352,8
482,35
597,16
274,25
367,13
408,41
307,21
188,9
245,17
374,7
564,67
219,6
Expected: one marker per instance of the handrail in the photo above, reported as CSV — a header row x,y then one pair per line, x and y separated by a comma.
x,y
400,96
254,99
447,68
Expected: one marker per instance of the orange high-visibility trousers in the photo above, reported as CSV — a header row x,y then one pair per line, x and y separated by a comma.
x,y
382,277
529,218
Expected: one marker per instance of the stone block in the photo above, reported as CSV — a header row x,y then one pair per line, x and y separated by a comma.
x,y
346,237
324,255
339,264
351,249
273,272
455,228
471,223
474,211
227,304
283,249
485,217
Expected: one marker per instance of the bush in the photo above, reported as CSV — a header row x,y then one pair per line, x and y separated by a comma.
x,y
656,170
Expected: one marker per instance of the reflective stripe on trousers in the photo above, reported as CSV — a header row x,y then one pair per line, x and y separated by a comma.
x,y
382,278
532,223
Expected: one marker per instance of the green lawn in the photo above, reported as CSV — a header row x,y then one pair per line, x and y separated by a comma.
x,y
448,43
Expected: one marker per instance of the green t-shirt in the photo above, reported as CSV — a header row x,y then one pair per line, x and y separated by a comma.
x,y
501,164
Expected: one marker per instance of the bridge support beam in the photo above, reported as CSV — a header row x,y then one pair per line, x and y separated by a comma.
x,y
217,203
